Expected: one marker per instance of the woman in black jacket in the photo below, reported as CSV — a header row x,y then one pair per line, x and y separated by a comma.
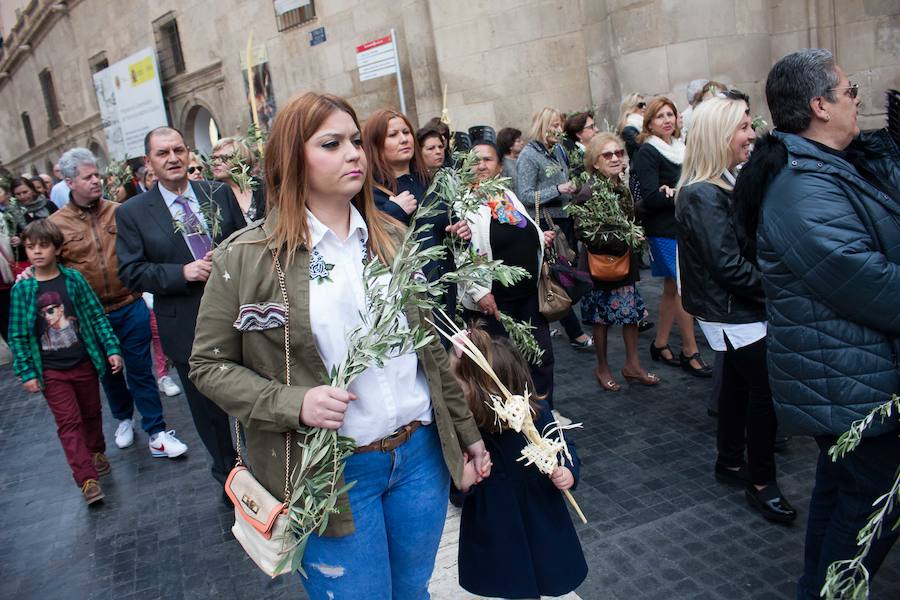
x,y
657,167
721,285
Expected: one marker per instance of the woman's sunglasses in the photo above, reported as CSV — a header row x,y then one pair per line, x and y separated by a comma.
x,y
193,170
641,105
609,155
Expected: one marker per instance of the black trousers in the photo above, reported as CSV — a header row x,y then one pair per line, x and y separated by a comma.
x,y
212,426
840,506
746,412
526,309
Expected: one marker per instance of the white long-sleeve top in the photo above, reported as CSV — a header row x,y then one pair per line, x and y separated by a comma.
x,y
386,398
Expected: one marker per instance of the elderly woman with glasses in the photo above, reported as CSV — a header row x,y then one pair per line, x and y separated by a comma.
x,y
228,157
615,302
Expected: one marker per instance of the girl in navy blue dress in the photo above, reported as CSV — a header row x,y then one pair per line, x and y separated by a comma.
x,y
516,537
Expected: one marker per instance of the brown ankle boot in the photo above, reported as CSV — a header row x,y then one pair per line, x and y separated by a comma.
x,y
91,491
101,463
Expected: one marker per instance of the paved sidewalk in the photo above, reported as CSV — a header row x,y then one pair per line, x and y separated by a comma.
x,y
659,526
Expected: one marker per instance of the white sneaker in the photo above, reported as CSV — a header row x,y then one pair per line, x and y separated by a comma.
x,y
168,387
165,444
555,332
561,419
125,433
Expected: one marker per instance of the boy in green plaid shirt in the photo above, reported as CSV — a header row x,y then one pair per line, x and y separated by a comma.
x,y
61,341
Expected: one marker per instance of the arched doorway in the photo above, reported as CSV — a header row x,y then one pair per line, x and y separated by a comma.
x,y
203,129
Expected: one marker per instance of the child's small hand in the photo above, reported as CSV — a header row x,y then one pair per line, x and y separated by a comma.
x,y
115,363
470,475
31,386
562,478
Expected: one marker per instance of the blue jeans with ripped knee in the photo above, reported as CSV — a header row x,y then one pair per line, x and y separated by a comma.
x,y
399,504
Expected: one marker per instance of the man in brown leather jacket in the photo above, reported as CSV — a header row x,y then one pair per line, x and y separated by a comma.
x,y
88,223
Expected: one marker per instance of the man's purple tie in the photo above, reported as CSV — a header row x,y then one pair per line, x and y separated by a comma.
x,y
197,239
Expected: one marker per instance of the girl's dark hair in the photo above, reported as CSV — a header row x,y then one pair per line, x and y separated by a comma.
x,y
509,366
17,181
505,140
575,123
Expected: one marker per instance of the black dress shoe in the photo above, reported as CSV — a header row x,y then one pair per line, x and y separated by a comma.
x,y
704,370
770,503
645,325
656,355
732,476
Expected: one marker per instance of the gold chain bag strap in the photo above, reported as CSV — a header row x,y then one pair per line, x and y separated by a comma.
x,y
260,519
553,301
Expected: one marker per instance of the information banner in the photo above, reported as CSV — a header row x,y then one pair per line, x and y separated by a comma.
x,y
131,103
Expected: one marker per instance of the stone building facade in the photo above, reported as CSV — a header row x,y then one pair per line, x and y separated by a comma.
x,y
499,60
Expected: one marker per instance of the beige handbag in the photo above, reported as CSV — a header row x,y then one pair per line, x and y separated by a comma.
x,y
260,519
553,300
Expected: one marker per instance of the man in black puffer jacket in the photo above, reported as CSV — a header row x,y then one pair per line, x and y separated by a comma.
x,y
829,250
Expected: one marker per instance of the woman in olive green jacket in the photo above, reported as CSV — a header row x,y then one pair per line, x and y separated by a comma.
x,y
409,419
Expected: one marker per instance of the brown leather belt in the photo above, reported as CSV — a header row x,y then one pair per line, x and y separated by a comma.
x,y
391,442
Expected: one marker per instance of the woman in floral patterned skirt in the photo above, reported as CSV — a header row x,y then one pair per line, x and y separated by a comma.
x,y
611,302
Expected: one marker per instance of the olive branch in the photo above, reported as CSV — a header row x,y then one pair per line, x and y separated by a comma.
x,y
115,175
602,216
849,579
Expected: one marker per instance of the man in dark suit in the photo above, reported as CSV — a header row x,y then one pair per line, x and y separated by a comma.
x,y
164,244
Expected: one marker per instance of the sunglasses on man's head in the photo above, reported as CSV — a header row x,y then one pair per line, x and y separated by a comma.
x,y
608,155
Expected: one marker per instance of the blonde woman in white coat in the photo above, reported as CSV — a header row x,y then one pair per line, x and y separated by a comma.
x,y
502,229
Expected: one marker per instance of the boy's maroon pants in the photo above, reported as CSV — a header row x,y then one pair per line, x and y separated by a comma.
x,y
74,399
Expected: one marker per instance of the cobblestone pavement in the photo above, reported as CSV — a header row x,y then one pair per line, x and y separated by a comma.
x,y
659,525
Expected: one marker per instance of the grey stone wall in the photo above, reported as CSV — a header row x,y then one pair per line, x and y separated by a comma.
x,y
500,60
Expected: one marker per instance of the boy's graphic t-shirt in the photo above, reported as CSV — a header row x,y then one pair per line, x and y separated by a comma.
x,y
57,329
